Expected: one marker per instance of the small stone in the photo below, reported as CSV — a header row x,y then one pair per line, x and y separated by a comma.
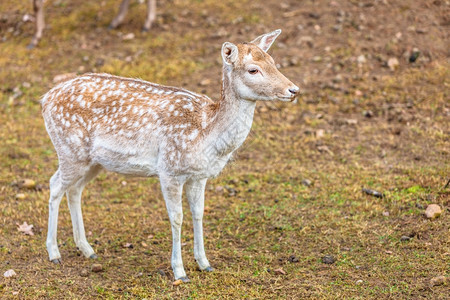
x,y
328,259
392,63
414,55
10,273
205,82
26,84
21,196
320,133
358,282
177,282
28,18
306,182
128,245
368,114
337,27
314,15
386,213
27,183
351,121
279,271
405,238
128,36
433,211
96,268
439,280
84,273
317,58
421,30
293,61
338,78
308,40
99,62
361,59
293,259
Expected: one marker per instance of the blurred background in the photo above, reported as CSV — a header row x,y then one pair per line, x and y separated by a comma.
x,y
374,114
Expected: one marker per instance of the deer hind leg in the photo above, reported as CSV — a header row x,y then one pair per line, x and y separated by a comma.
x,y
74,201
123,9
38,6
57,190
172,190
195,192
151,15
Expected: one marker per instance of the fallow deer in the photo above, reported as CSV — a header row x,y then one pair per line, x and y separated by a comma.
x,y
38,6
134,127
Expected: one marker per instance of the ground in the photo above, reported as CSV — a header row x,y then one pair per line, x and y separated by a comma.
x,y
374,114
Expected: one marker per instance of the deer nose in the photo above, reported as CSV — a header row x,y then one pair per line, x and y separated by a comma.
x,y
294,90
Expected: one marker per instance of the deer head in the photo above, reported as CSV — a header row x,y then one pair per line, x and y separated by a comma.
x,y
253,73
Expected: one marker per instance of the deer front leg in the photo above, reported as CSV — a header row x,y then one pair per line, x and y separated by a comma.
x,y
195,192
38,6
172,189
121,15
151,15
74,200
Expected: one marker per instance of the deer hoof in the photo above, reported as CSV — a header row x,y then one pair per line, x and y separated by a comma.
x,y
93,256
56,261
208,269
30,46
185,279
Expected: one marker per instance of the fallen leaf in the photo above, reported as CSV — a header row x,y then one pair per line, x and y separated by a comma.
x,y
177,282
436,281
25,228
279,271
128,245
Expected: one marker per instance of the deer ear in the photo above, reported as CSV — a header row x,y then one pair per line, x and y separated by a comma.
x,y
266,40
229,53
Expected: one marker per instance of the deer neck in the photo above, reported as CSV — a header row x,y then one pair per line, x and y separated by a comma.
x,y
232,118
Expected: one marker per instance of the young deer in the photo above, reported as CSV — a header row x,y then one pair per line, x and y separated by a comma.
x,y
134,127
38,6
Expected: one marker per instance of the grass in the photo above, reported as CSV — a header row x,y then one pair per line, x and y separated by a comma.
x,y
401,151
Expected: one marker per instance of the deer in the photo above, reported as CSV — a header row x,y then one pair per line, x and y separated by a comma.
x,y
38,7
134,127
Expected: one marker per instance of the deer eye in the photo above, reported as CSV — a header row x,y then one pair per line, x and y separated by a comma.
x,y
253,71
